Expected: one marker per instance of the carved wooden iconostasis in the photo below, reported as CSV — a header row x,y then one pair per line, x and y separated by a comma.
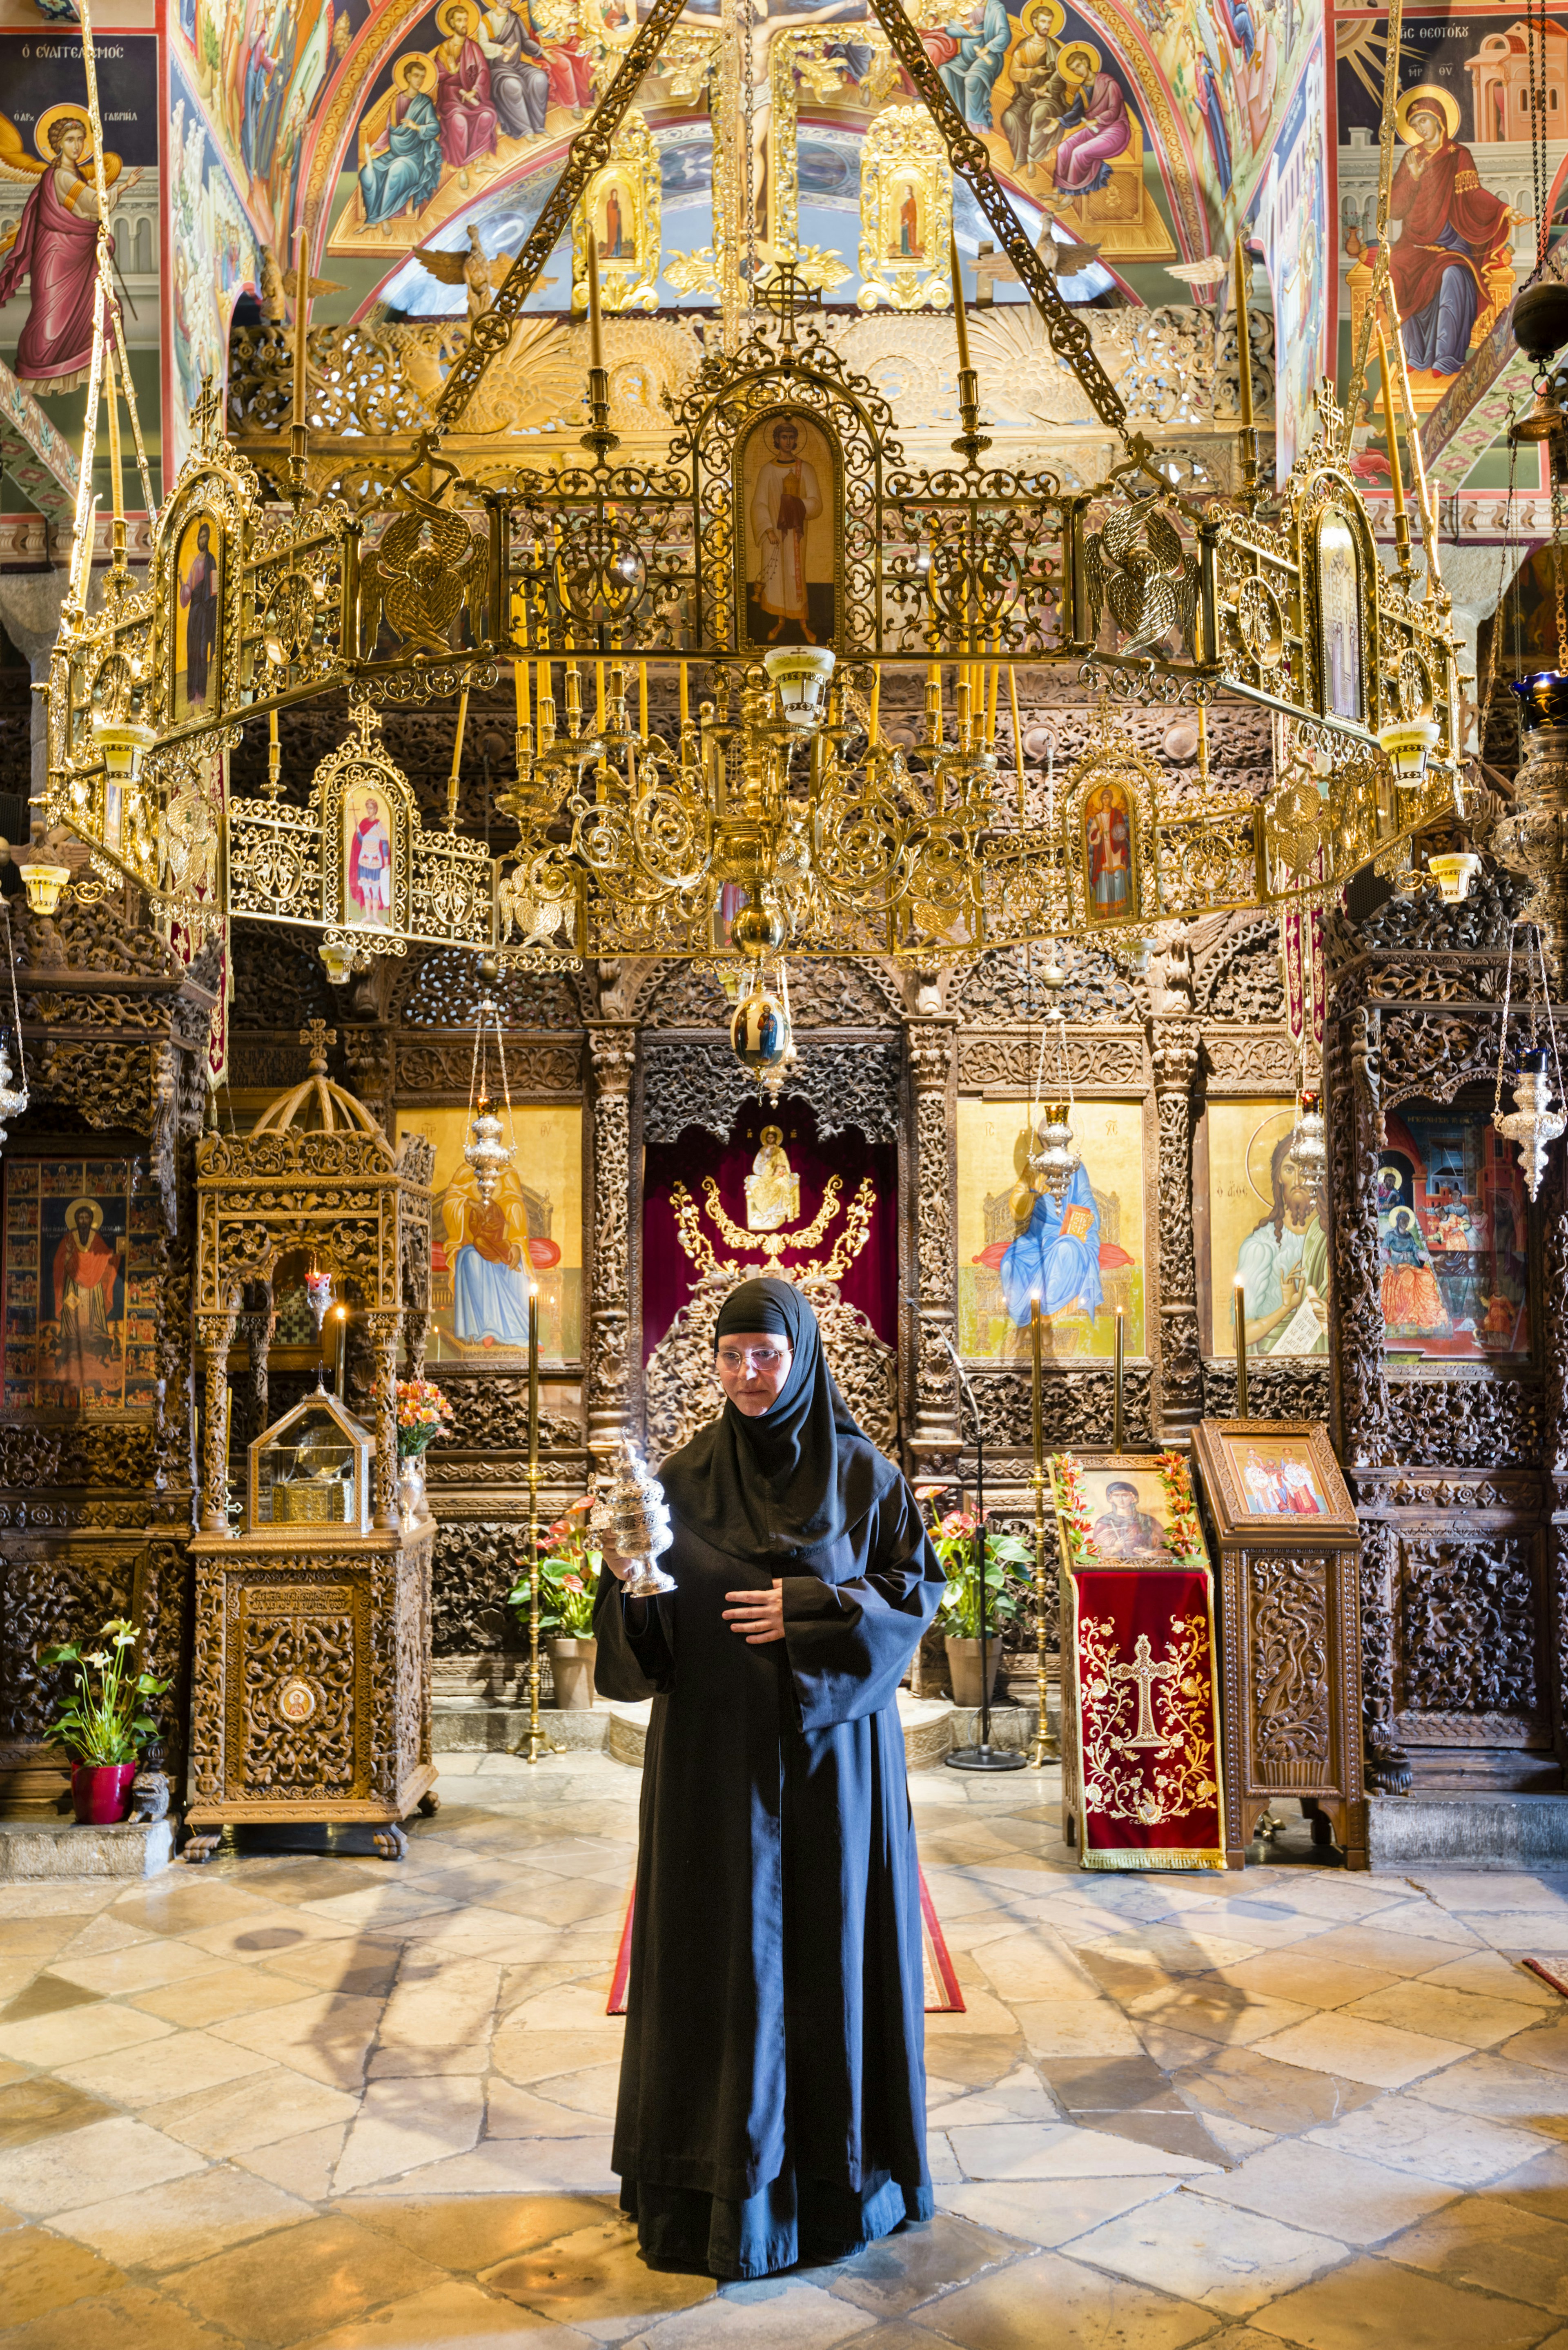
x,y
1440,1368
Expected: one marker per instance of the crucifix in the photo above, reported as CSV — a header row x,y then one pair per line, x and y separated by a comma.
x,y
1145,1672
316,1036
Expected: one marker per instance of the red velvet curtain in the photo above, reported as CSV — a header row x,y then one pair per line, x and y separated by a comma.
x,y
669,1274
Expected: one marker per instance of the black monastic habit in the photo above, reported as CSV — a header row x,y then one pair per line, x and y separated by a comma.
x,y
772,2102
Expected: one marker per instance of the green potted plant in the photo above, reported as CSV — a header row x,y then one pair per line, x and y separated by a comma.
x,y
103,1724
1008,1563
568,1577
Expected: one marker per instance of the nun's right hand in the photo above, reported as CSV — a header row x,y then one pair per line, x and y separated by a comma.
x,y
621,1568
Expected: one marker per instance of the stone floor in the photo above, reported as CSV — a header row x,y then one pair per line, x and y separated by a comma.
x,y
319,2100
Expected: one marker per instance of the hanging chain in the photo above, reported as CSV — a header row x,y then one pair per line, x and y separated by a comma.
x,y
1504,575
1394,34
1535,68
1502,1029
16,1005
746,26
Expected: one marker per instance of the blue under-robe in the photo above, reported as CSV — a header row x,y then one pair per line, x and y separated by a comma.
x,y
409,171
1063,1266
772,2102
489,1300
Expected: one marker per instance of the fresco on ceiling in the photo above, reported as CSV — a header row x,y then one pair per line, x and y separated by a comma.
x,y
48,207
214,257
471,95
1292,222
258,68
1462,193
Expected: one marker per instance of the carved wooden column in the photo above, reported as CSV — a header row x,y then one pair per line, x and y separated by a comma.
x,y
1352,1082
612,1052
936,1438
255,1326
1177,1404
215,1335
383,1332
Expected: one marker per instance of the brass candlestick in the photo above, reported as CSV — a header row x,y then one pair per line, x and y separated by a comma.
x,y
535,1735
1044,1748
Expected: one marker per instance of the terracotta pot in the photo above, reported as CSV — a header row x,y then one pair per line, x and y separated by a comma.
x,y
572,1669
963,1668
101,1793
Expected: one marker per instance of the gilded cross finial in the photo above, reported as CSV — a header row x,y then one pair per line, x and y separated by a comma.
x,y
205,414
316,1036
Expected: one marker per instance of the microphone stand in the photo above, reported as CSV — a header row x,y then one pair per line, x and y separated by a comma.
x,y
983,1757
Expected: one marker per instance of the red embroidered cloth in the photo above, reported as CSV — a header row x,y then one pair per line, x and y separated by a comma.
x,y
1147,1745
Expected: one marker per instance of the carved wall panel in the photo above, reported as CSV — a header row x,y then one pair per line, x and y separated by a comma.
x,y
1003,1060
66,1592
290,1640
1078,1406
1288,1602
1472,1616
697,1081
850,994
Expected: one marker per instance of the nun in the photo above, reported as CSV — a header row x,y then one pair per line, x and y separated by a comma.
x,y
771,2105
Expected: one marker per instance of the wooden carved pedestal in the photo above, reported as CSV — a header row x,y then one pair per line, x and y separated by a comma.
x,y
1290,1632
312,1678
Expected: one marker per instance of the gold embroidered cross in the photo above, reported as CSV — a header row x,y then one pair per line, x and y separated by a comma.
x,y
1145,1672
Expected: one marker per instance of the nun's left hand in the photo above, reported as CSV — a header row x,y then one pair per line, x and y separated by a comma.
x,y
757,1615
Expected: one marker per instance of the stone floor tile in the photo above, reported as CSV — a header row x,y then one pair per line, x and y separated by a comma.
x,y
257,2110
36,2106
530,2057
1497,1977
49,1993
79,2031
1179,2132
1231,2260
438,2020
167,2227
1021,2096
1448,2013
301,2166
404,2124
1544,2042
471,2233
1427,1923
131,2319
562,2166
1303,1975
1085,2309
78,1898
289,2287
264,1930
1378,2054
1377,1946
1370,2305
513,2113
327,2037
893,2276
1077,2027
1334,2192
594,2279
1049,2211
774,2314
449,2316
1237,2140
1493,2245
1215,2010
1029,2150
1494,2086
40,2272
592,2091
977,2059
1410,2134
180,2064
1253,2088
142,1966
83,2166
363,1969
1540,2186
216,1994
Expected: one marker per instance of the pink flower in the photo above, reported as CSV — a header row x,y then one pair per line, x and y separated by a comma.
x,y
571,1583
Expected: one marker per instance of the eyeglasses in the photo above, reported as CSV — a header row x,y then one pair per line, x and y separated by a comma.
x,y
760,1358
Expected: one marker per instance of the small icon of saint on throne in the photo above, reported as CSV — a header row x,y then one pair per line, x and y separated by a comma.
x,y
772,1187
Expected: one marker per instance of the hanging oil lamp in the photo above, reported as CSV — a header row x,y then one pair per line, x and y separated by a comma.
x,y
1536,1121
485,1152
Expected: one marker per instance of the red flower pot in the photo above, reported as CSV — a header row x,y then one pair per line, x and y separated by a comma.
x,y
101,1793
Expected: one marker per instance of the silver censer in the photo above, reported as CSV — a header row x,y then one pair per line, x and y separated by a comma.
x,y
633,1519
